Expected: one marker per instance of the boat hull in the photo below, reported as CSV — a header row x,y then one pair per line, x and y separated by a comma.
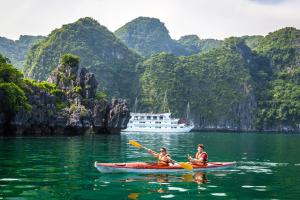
x,y
179,130
143,167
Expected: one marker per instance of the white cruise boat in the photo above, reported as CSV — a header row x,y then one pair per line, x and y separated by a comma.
x,y
156,122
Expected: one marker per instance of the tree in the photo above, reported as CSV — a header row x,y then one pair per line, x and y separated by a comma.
x,y
70,60
4,60
12,100
8,73
12,96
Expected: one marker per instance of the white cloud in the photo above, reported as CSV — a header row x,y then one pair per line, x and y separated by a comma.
x,y
206,18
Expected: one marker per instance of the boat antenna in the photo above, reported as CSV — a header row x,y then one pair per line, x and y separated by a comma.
x,y
135,105
165,103
188,111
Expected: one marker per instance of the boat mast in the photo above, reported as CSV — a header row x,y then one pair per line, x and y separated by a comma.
x,y
188,111
135,105
165,103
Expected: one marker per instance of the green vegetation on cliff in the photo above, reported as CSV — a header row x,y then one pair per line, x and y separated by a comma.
x,y
282,47
99,50
280,105
13,97
217,84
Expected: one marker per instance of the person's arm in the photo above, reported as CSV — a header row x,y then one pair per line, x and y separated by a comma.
x,y
203,157
153,153
170,159
190,158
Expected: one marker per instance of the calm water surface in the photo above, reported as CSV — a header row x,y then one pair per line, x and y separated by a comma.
x,y
268,167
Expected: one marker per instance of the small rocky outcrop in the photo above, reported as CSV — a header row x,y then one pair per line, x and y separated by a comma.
x,y
71,108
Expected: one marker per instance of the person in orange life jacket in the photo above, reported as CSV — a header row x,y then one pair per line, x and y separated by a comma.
x,y
164,159
201,157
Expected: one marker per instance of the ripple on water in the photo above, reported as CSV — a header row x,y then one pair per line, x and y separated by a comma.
x,y
177,189
220,175
201,188
254,186
260,188
10,179
219,194
169,196
267,164
256,169
25,186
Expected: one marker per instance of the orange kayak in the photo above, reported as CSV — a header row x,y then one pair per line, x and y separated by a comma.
x,y
145,167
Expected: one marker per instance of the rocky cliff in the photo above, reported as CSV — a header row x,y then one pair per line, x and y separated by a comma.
x,y
67,104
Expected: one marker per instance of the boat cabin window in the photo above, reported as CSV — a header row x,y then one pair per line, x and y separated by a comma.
x,y
155,117
157,122
161,117
148,117
142,117
135,117
142,122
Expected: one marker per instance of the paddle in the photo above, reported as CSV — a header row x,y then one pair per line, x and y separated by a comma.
x,y
184,165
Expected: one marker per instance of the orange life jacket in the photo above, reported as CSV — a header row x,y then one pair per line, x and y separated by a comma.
x,y
202,155
163,160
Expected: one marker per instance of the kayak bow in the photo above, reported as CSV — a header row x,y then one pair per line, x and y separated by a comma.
x,y
144,167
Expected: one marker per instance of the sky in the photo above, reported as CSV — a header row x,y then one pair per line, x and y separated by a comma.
x,y
207,18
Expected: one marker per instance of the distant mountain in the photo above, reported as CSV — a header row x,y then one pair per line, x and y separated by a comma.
x,y
149,36
99,50
193,44
16,50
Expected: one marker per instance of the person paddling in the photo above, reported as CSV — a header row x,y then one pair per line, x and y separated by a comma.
x,y
164,159
201,157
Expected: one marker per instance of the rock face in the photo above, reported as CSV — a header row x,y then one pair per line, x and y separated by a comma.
x,y
74,109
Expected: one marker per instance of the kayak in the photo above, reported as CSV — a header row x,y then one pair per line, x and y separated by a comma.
x,y
145,167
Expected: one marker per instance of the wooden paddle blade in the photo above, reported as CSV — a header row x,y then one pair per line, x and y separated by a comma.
x,y
135,143
186,166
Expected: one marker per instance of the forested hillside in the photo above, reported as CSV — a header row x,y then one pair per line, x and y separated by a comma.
x,y
241,83
99,50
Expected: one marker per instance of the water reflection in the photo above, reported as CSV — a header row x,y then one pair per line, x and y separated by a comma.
x,y
163,181
197,177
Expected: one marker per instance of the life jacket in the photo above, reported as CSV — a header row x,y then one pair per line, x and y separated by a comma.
x,y
162,161
202,155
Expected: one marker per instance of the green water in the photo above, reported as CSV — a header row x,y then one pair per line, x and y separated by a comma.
x,y
268,167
